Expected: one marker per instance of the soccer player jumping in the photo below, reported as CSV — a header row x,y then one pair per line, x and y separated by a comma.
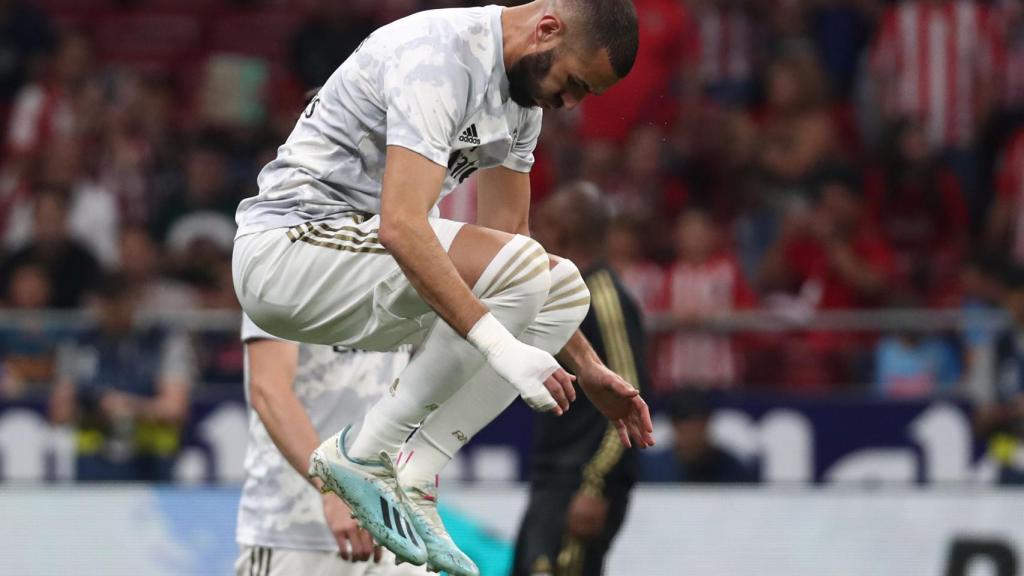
x,y
343,245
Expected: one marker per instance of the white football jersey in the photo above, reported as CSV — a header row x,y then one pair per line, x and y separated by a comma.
x,y
279,508
435,83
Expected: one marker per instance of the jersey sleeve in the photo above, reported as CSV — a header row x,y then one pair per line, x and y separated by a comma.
x,y
520,158
427,92
250,331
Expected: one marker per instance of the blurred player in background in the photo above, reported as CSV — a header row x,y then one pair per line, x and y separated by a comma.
x,y
301,394
582,474
342,245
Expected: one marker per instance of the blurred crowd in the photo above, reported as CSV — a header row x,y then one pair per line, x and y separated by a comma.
x,y
784,156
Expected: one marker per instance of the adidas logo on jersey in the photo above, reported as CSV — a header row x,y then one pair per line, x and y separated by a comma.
x,y
469,136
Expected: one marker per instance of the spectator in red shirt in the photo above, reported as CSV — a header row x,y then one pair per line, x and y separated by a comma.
x,y
832,260
917,206
703,283
833,246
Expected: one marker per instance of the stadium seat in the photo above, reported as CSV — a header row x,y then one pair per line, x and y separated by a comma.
x,y
262,33
149,40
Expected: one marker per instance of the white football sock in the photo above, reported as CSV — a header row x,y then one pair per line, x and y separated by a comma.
x,y
514,286
486,395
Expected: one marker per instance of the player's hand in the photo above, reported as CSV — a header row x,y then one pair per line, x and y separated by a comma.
x,y
620,403
586,517
541,382
354,543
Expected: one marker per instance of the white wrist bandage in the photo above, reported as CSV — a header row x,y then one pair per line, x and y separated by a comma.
x,y
523,366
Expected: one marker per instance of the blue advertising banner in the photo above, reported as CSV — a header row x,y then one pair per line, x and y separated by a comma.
x,y
787,440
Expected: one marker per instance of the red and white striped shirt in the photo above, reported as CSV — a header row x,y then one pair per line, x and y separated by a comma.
x,y
645,282
713,287
726,45
930,58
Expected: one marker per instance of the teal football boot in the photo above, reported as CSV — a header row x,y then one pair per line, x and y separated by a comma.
x,y
442,553
371,491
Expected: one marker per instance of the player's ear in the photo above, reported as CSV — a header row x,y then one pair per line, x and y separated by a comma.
x,y
549,28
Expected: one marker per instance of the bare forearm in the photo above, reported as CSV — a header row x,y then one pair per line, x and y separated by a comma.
x,y
288,425
428,268
578,354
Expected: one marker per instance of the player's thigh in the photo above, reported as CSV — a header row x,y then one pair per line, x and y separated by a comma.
x,y
327,282
261,561
332,282
473,249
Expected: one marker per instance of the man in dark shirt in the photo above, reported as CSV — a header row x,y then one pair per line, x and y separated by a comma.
x,y
70,266
126,387
582,474
693,457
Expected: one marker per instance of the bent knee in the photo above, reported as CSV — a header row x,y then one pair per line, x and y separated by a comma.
x,y
521,267
568,298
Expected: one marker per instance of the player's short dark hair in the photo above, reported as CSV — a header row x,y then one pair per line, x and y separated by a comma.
x,y
612,25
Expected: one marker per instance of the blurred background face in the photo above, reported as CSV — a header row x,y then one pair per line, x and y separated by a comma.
x,y
73,60
643,153
115,313
1015,305
913,145
839,205
30,288
62,165
623,242
206,173
694,237
139,256
783,86
50,219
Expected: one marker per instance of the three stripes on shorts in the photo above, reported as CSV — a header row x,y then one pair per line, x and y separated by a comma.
x,y
343,238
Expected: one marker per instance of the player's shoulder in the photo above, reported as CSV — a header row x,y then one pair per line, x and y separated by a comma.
x,y
463,35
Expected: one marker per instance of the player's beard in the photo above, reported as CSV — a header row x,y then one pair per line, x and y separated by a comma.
x,y
525,75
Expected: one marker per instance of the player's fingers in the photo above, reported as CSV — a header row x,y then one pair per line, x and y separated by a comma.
x,y
344,546
567,379
555,388
637,430
378,553
623,433
362,547
645,418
